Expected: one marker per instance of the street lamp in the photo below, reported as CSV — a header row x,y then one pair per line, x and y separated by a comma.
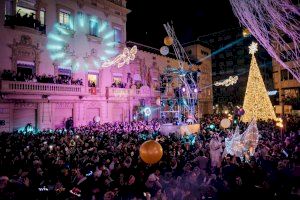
x,y
279,124
246,32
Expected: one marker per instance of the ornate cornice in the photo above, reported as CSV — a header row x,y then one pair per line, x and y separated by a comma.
x,y
105,6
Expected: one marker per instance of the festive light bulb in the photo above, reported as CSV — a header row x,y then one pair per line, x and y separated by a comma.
x,y
147,111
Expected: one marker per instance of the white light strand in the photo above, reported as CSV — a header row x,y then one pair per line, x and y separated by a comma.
x,y
122,59
43,189
227,82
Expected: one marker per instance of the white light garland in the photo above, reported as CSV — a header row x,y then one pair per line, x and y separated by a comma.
x,y
227,82
122,59
43,189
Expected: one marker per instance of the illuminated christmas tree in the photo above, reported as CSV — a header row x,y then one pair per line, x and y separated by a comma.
x,y
257,103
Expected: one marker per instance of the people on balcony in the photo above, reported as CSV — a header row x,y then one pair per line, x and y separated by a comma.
x,y
91,84
138,84
25,20
118,85
8,75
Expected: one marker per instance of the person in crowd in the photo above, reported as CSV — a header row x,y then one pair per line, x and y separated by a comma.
x,y
69,123
215,147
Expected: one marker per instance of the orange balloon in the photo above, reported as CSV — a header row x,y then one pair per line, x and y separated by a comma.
x,y
151,152
168,40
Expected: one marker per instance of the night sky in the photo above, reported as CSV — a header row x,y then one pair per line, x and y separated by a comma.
x,y
191,18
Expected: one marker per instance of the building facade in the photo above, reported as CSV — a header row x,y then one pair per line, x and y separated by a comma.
x,y
199,52
288,89
48,76
230,57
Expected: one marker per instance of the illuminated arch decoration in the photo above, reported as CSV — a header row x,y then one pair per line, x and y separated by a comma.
x,y
70,47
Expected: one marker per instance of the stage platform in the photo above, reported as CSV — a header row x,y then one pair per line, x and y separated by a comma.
x,y
182,129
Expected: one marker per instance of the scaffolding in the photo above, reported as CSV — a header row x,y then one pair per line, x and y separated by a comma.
x,y
177,103
179,91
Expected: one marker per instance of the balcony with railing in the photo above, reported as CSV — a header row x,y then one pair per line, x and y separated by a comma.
x,y
118,92
22,21
112,92
31,88
121,3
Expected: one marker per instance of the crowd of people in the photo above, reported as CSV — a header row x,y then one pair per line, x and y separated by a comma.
x,y
101,161
61,79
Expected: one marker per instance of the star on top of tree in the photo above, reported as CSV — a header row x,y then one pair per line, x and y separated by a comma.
x,y
253,48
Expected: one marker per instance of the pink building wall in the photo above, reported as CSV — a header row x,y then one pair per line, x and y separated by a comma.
x,y
48,105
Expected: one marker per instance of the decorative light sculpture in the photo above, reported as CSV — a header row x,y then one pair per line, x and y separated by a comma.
x,y
257,103
71,46
122,59
227,82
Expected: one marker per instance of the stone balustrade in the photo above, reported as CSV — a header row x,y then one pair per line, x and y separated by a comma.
x,y
126,92
118,92
41,88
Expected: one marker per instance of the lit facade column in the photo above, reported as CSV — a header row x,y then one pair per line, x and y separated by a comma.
x,y
280,90
104,112
11,116
130,110
14,7
44,115
2,16
38,9
78,114
76,117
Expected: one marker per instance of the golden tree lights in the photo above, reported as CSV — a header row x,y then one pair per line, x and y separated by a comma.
x,y
257,103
